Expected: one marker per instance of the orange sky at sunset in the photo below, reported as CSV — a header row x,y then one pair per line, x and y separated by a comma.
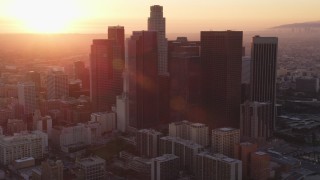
x,y
188,16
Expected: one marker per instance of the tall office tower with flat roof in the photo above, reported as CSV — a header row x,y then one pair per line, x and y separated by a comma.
x,y
116,33
221,55
263,77
106,67
143,79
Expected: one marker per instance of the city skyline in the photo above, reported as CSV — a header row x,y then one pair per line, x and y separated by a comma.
x,y
40,16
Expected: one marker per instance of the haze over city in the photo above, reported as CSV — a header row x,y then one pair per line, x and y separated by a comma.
x,y
189,16
159,90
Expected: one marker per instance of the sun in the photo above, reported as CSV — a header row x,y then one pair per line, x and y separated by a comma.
x,y
45,16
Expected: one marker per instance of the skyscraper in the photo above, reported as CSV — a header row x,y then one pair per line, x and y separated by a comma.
x,y
143,79
116,33
57,85
185,87
221,54
101,74
106,68
156,22
263,75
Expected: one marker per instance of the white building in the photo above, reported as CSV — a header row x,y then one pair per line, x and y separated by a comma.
x,y
92,167
224,140
20,146
42,123
217,166
65,136
57,85
165,167
27,96
106,119
195,132
122,108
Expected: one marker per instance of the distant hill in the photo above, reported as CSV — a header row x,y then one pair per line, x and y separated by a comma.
x,y
314,24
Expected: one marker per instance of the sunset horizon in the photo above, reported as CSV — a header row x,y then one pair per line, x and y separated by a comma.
x,y
46,16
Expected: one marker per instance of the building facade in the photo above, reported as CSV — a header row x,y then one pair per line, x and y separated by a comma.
x,y
221,54
223,140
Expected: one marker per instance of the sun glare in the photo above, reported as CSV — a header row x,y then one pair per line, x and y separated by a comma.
x,y
45,16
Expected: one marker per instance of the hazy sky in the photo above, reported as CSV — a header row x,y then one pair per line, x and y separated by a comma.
x,y
187,16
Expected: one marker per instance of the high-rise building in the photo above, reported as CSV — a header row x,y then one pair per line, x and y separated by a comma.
x,y
148,142
253,119
143,80
185,77
116,33
156,22
224,140
263,75
27,97
196,132
165,167
107,61
243,152
57,85
93,168
184,149
221,54
20,146
101,75
217,166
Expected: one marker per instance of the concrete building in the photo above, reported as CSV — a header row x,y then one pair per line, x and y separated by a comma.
x,y
27,97
196,132
264,52
148,142
20,146
71,135
217,166
57,85
221,54
224,140
42,123
253,119
92,167
122,108
243,152
106,119
184,149
165,167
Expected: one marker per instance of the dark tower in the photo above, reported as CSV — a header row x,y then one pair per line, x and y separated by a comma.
x,y
221,54
143,79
